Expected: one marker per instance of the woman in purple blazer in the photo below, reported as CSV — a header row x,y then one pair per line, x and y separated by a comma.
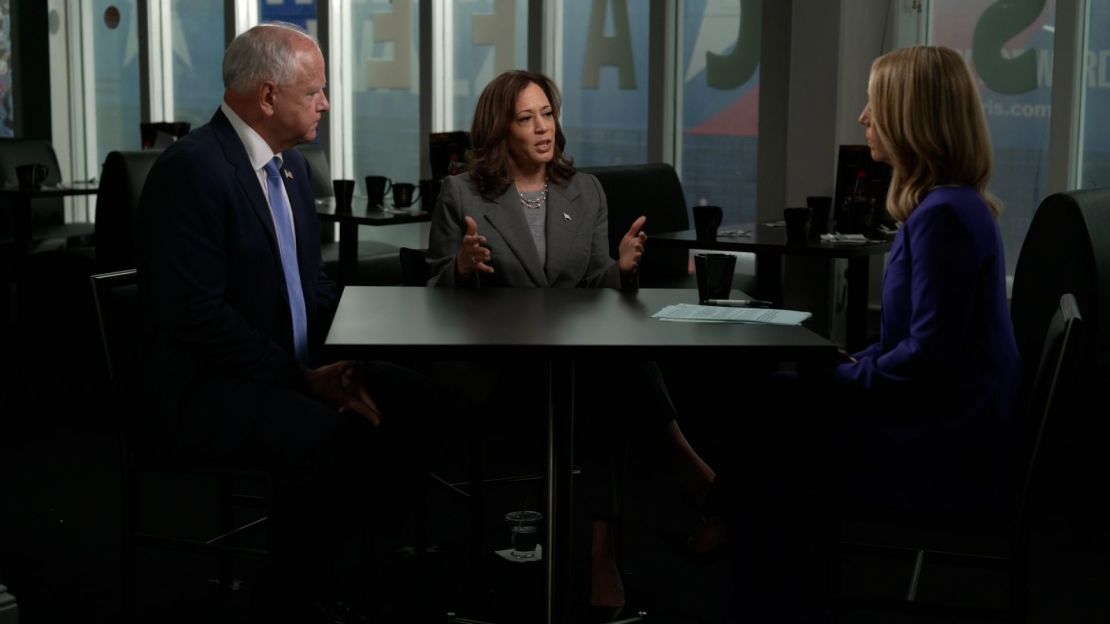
x,y
921,419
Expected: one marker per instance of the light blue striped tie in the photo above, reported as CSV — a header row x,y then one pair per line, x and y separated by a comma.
x,y
287,247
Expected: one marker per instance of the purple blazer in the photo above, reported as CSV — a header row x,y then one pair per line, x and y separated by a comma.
x,y
943,379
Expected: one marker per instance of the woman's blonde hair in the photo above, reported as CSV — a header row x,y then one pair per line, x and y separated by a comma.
x,y
928,117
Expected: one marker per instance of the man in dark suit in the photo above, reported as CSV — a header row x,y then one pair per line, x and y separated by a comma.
x,y
235,307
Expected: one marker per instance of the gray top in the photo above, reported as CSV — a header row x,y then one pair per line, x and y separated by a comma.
x,y
536,218
576,237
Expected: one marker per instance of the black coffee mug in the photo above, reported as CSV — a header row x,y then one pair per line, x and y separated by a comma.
x,y
820,206
31,177
403,194
344,193
706,221
714,274
376,187
797,225
429,193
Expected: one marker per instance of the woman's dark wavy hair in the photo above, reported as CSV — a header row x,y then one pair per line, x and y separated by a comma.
x,y
489,158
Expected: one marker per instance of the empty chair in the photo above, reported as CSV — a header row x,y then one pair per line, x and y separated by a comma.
x,y
652,190
121,184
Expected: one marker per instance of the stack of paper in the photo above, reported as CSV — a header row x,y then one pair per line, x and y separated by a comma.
x,y
716,314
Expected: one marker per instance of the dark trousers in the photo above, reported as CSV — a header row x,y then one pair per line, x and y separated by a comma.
x,y
332,473
804,447
616,401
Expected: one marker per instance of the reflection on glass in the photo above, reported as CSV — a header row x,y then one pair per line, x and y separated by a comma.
x,y
489,37
1009,45
605,81
116,54
197,64
720,105
385,92
1095,147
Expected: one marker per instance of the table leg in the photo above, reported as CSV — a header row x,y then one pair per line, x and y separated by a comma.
x,y
348,252
768,277
560,452
856,313
21,226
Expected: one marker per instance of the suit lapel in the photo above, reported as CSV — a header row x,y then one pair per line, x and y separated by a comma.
x,y
506,217
564,217
236,154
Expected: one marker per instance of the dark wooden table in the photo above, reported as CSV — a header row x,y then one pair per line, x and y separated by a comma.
x,y
20,202
769,245
553,327
362,214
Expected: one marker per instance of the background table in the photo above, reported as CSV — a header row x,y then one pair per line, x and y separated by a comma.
x,y
20,202
556,326
769,245
361,214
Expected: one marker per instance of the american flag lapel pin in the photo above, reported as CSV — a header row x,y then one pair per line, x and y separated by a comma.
x,y
288,173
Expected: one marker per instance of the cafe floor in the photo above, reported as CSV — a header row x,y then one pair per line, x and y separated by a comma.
x,y
60,516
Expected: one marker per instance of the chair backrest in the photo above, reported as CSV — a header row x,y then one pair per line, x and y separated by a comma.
x,y
652,190
116,298
16,152
1066,250
318,168
117,200
414,267
1051,390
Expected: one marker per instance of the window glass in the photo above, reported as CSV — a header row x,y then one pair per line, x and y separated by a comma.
x,y
385,92
719,76
605,81
116,54
299,12
1095,170
7,122
490,37
198,85
1009,45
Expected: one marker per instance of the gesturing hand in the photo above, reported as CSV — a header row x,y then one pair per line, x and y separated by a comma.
x,y
339,386
632,246
473,256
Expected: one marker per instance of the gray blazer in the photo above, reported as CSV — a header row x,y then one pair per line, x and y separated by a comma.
x,y
577,231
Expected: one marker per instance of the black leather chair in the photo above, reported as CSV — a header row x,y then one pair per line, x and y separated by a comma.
x,y
121,184
956,543
652,190
1066,250
379,264
116,299
48,216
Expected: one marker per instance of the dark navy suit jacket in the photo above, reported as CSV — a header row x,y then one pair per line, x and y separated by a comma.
x,y
212,292
943,379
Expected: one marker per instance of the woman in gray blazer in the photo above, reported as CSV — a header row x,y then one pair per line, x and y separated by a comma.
x,y
523,217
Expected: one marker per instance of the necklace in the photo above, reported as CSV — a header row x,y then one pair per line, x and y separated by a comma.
x,y
534,203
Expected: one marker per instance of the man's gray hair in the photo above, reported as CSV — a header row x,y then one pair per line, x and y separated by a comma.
x,y
262,53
